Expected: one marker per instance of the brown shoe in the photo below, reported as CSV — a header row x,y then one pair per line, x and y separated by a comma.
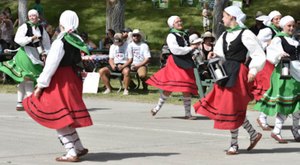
x,y
278,138
154,111
20,108
264,127
254,142
68,159
190,117
82,152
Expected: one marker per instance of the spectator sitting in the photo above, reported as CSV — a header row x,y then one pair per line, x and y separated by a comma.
x,y
6,30
126,34
297,31
119,61
91,45
50,30
109,38
207,44
140,52
259,18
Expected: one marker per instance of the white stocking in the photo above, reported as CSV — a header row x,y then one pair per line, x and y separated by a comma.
x,y
65,135
28,88
280,118
20,94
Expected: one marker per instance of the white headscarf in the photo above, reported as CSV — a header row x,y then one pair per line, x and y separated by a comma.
x,y
286,19
69,20
237,13
33,12
171,20
271,15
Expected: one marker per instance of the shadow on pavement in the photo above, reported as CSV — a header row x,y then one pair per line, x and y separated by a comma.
x,y
108,156
183,118
270,151
98,109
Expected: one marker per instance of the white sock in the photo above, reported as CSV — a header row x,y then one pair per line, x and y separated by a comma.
x,y
279,120
187,105
77,142
20,94
263,118
28,88
296,117
249,128
65,135
161,101
234,137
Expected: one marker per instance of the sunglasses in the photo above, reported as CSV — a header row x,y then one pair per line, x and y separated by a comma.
x,y
136,35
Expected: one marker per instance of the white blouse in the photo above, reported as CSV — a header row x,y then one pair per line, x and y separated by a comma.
x,y
251,42
264,36
54,57
275,51
175,48
23,40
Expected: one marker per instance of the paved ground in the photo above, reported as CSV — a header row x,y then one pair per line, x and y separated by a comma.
x,y
124,133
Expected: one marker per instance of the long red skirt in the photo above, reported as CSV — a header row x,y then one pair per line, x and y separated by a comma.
x,y
262,81
227,106
174,79
61,103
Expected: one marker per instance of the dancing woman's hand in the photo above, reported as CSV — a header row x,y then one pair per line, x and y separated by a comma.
x,y
38,92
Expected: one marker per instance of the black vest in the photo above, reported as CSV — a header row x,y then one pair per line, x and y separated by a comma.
x,y
183,61
235,55
237,50
30,34
273,32
293,51
72,55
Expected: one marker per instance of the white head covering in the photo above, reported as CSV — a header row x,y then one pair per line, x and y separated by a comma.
x,y
69,20
171,20
194,39
286,19
33,12
237,13
271,15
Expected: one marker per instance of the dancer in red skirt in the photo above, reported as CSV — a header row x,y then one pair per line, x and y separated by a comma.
x,y
178,74
263,78
57,101
227,103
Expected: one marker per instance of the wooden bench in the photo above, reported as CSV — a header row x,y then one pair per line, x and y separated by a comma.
x,y
120,78
207,83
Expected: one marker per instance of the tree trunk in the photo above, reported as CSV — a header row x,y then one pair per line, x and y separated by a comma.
x,y
218,26
22,11
115,14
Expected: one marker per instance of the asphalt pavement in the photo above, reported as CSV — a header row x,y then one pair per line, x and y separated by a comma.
x,y
125,133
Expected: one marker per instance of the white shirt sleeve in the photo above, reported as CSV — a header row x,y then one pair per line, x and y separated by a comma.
x,y
274,50
146,50
264,36
218,48
112,51
54,57
20,37
46,41
175,48
255,51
